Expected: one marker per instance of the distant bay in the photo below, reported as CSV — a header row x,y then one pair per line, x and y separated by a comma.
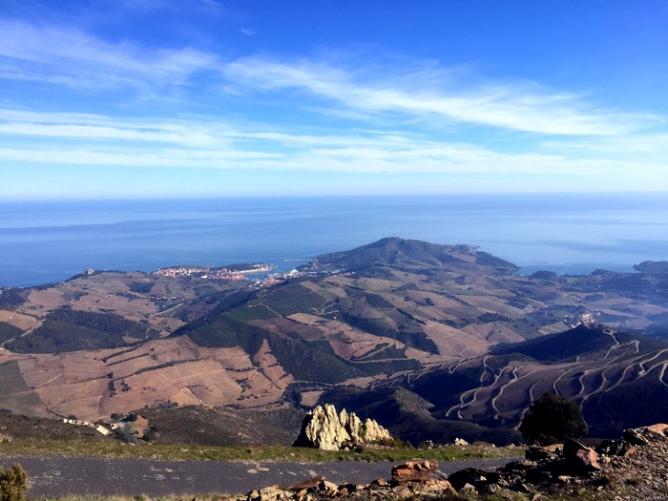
x,y
49,241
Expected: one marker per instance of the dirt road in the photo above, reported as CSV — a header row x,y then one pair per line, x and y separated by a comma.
x,y
58,476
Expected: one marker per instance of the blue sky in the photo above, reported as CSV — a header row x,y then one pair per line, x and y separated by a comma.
x,y
155,98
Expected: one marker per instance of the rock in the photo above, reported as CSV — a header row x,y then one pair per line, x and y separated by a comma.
x,y
5,439
348,489
474,476
468,490
401,491
273,493
327,489
380,482
440,487
324,428
635,437
580,458
616,448
307,485
657,429
554,448
427,444
535,453
411,471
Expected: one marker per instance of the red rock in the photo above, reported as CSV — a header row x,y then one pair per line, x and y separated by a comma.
x,y
658,429
414,471
580,458
307,485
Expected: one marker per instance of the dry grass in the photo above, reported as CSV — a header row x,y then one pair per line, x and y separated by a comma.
x,y
109,449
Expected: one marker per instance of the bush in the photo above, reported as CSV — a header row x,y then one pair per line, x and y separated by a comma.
x,y
13,484
551,419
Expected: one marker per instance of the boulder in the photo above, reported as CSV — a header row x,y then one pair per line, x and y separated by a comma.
x,y
657,429
616,448
635,436
273,493
307,485
413,471
325,428
327,489
468,490
579,458
439,487
473,476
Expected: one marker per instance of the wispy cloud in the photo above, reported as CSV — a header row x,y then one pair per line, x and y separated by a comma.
x,y
420,119
424,92
421,94
99,141
73,58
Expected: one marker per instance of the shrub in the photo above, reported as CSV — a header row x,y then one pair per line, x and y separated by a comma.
x,y
551,419
13,484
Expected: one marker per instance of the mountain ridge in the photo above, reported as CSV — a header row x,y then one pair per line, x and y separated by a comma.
x,y
387,325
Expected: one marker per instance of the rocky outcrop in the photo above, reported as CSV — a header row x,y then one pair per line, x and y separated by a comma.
x,y
414,471
630,468
325,428
633,467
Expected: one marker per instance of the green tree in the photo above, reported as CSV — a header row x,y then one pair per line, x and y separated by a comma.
x,y
551,419
13,484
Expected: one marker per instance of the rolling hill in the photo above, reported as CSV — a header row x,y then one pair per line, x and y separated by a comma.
x,y
400,330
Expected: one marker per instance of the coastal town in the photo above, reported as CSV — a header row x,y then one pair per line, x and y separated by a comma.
x,y
235,272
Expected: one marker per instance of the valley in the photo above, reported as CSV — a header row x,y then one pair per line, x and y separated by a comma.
x,y
400,330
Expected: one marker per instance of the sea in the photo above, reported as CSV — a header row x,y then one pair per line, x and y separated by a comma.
x,y
44,242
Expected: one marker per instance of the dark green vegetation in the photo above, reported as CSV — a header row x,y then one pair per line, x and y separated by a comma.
x,y
551,419
13,484
10,297
8,331
307,360
71,330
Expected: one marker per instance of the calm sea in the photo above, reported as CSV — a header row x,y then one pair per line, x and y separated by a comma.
x,y
44,242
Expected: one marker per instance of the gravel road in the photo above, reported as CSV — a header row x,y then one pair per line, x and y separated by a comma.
x,y
59,476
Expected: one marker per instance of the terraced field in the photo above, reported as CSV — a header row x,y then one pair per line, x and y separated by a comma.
x,y
431,319
495,389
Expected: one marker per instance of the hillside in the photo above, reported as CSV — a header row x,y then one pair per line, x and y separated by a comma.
x,y
394,314
409,255
601,369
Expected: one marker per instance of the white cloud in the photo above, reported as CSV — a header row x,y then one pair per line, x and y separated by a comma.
x,y
414,113
100,141
73,58
425,92
515,107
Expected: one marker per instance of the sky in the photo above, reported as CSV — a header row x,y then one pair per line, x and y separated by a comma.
x,y
208,98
